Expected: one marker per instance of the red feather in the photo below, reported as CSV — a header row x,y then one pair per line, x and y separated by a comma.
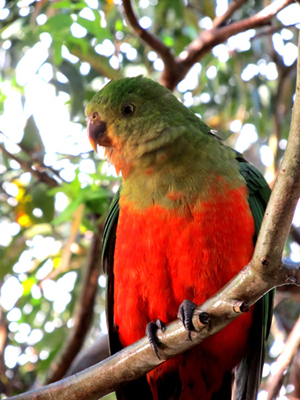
x,y
163,257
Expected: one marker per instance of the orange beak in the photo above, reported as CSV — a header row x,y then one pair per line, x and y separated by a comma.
x,y
97,132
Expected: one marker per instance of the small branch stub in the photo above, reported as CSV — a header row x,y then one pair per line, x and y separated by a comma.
x,y
292,280
264,261
241,307
204,318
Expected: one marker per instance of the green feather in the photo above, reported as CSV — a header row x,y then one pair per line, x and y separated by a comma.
x,y
110,225
162,136
249,371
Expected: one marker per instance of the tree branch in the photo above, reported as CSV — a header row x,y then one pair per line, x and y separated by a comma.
x,y
84,312
284,360
176,69
212,37
67,252
136,360
90,356
28,167
280,210
232,7
152,40
270,30
97,62
294,376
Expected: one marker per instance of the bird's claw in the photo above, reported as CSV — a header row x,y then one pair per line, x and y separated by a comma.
x,y
185,314
151,329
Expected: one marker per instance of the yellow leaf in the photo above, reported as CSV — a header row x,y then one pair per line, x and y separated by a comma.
x,y
20,194
23,220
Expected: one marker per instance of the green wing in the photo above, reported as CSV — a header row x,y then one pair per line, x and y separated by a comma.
x,y
138,389
248,374
108,249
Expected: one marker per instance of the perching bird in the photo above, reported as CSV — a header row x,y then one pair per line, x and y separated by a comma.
x,y
184,223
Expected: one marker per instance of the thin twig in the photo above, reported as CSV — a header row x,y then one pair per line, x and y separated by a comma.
x,y
152,40
283,361
67,252
37,161
294,375
295,234
270,30
232,7
97,62
28,167
84,312
90,356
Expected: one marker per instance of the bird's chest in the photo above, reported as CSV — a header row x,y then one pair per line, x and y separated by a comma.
x,y
163,256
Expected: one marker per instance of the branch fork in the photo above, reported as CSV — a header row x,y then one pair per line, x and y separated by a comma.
x,y
176,68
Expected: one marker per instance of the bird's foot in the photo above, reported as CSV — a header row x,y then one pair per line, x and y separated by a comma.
x,y
185,314
151,330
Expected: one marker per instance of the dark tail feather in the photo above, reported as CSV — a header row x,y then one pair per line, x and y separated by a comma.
x,y
248,372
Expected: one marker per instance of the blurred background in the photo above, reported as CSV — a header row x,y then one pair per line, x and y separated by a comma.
x,y
55,191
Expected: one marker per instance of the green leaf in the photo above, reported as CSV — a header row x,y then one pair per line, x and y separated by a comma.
x,y
62,4
58,22
93,198
40,199
32,141
78,5
27,285
66,215
71,189
168,40
119,25
77,88
57,52
94,27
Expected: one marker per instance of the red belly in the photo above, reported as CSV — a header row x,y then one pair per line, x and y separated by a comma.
x,y
163,257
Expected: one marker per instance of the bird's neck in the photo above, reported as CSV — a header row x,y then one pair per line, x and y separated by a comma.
x,y
176,176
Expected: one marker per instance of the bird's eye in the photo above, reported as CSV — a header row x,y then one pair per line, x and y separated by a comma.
x,y
128,109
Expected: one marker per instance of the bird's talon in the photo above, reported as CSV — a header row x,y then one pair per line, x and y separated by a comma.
x,y
160,325
185,314
151,330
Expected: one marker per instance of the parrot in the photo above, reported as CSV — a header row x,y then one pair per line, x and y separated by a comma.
x,y
183,223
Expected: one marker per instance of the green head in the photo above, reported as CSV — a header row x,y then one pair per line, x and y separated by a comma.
x,y
135,116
